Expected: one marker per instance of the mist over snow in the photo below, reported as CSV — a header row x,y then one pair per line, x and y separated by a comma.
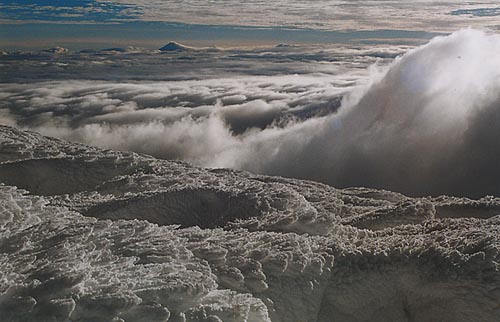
x,y
427,123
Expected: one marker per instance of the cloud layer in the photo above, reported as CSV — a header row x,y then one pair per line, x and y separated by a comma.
x,y
426,124
196,120
320,14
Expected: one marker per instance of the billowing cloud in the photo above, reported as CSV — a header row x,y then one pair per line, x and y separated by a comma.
x,y
426,124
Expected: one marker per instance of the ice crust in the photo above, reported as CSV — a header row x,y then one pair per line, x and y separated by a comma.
x,y
96,235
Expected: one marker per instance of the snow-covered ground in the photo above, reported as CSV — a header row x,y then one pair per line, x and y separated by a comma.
x,y
88,234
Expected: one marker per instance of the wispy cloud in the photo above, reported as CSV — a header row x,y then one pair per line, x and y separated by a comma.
x,y
68,10
442,16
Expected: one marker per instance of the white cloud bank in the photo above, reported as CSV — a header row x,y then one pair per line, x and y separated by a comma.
x,y
427,124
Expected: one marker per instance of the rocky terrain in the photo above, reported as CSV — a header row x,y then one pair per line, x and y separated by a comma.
x,y
88,234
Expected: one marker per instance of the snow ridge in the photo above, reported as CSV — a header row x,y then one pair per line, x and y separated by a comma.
x,y
96,235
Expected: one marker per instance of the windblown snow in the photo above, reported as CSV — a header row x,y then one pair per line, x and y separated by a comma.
x,y
88,234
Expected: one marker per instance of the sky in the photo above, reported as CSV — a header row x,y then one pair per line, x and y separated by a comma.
x,y
79,24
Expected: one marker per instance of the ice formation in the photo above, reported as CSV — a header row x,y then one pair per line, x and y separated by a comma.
x,y
88,234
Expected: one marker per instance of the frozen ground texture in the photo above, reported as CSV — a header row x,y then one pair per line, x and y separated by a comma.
x,y
95,235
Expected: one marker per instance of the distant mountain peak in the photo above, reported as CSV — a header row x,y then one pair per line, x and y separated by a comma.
x,y
174,46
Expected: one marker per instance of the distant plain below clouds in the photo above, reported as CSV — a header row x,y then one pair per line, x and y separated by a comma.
x,y
420,121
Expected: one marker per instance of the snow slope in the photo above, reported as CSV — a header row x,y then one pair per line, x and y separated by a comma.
x,y
96,235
